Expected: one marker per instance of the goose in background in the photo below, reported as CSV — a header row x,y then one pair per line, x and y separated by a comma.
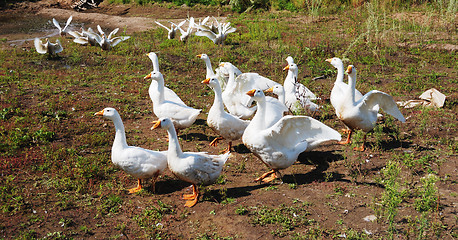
x,y
297,96
172,30
48,47
169,94
234,96
138,162
85,36
62,31
279,145
108,42
220,73
218,35
362,113
186,33
194,167
182,115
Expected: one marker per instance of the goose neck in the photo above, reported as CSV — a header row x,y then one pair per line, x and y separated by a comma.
x,y
340,73
209,68
120,136
260,116
352,86
218,101
174,146
160,89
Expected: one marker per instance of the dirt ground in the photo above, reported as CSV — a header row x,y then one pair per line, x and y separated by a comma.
x,y
320,179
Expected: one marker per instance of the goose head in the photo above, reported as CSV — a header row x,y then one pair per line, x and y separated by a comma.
x,y
351,71
154,75
164,123
108,112
277,90
212,82
202,56
336,62
256,94
291,67
290,59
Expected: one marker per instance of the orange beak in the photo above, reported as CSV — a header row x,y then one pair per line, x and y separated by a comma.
x,y
156,124
147,76
286,68
270,90
328,60
251,92
349,69
199,56
99,113
206,81
221,64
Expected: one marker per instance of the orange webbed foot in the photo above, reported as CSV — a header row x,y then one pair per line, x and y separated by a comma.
x,y
191,203
263,176
138,188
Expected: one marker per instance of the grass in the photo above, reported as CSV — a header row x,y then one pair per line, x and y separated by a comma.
x,y
55,155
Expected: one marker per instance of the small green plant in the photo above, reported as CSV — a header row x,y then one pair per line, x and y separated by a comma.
x,y
427,200
109,205
241,210
287,217
392,196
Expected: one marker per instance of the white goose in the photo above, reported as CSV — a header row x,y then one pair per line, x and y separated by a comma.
x,y
340,87
220,72
297,96
225,124
108,42
138,162
169,94
279,145
218,36
172,30
193,167
279,90
362,113
48,47
181,115
85,36
186,33
234,96
62,31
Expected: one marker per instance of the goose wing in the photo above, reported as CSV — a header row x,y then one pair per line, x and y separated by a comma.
x,y
158,23
384,101
69,20
41,48
56,23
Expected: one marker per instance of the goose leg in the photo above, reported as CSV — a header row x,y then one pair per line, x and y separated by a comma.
x,y
229,147
363,146
348,138
215,141
191,197
156,175
263,176
138,188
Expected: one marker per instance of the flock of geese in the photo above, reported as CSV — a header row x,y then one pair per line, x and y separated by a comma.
x,y
268,128
89,36
215,31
